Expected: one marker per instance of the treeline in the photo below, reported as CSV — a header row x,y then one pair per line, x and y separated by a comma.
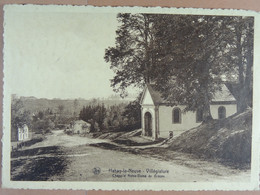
x,y
46,121
118,117
43,121
40,122
70,106
121,117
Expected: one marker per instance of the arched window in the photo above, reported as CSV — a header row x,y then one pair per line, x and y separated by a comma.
x,y
199,116
176,115
221,112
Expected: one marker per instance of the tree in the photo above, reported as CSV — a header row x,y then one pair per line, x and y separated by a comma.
x,y
186,55
19,116
94,114
132,112
243,57
43,122
190,49
99,115
132,58
200,61
119,117
75,104
61,109
40,115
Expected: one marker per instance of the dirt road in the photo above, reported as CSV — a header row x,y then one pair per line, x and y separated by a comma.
x,y
71,158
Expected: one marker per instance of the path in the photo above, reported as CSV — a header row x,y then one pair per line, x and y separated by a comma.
x,y
63,157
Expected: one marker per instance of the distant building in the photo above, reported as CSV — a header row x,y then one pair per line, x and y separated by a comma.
x,y
159,119
20,134
81,127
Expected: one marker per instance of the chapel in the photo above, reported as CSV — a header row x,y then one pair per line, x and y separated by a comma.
x,y
161,120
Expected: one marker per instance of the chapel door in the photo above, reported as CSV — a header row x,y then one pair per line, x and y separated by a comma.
x,y
148,124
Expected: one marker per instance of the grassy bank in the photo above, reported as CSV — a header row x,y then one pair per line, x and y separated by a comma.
x,y
227,140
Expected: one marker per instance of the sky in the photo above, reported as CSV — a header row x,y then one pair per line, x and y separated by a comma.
x,y
58,54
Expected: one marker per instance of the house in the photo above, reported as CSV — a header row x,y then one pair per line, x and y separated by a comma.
x,y
160,120
20,134
80,127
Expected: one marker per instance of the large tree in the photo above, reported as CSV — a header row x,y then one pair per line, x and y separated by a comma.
x,y
242,43
199,53
132,58
188,57
191,50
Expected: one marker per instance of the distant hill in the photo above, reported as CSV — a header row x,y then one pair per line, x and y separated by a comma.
x,y
227,140
70,105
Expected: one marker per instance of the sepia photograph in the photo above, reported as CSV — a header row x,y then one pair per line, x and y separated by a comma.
x,y
130,97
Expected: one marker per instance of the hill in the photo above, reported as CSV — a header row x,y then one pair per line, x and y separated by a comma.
x,y
227,140
40,104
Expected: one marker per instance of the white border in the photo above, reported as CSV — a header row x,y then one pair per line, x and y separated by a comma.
x,y
253,185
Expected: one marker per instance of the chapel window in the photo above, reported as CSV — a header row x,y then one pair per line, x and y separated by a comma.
x,y
176,115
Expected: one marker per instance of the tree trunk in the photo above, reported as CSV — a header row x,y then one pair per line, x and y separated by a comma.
x,y
146,46
205,90
245,74
206,113
206,107
240,100
206,110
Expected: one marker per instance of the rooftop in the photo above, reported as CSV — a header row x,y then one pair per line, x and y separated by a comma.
x,y
80,122
222,95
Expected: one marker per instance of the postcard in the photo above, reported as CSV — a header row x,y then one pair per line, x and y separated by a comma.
x,y
130,98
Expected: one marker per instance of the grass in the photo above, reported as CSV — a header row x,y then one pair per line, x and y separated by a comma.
x,y
38,167
227,141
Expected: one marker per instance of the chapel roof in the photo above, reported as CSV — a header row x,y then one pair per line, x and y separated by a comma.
x,y
222,95
80,122
156,95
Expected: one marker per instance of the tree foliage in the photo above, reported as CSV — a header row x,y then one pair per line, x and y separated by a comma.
x,y
188,57
198,63
132,57
243,56
119,117
133,111
19,116
43,121
94,114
